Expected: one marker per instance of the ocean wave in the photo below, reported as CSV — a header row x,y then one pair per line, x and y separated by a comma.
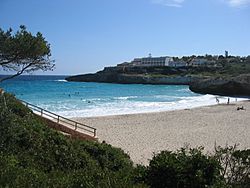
x,y
184,89
125,98
133,107
166,97
61,80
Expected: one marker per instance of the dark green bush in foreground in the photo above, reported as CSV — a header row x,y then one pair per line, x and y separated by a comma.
x,y
184,168
33,155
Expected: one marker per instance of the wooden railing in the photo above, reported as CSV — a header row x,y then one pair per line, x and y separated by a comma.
x,y
82,128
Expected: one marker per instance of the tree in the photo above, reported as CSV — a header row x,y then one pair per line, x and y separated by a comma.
x,y
23,52
247,59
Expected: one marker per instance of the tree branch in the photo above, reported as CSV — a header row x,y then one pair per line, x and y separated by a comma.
x,y
23,52
18,73
9,61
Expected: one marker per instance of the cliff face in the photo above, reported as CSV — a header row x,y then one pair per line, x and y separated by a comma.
x,y
138,75
132,79
221,85
234,86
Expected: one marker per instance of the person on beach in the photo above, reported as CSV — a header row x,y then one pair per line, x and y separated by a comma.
x,y
241,108
217,100
228,100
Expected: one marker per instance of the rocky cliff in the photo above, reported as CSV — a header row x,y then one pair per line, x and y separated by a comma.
x,y
133,79
229,86
138,75
201,79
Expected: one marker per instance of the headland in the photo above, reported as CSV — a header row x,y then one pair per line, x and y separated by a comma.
x,y
208,74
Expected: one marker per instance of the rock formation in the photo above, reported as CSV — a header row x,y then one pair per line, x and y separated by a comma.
x,y
138,75
229,86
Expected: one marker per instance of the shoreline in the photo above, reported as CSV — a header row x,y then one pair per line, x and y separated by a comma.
x,y
164,111
141,135
153,106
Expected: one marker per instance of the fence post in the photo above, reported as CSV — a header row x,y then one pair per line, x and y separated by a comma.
x,y
94,132
75,125
58,119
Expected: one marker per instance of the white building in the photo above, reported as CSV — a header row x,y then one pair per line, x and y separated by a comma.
x,y
201,62
198,62
152,61
177,64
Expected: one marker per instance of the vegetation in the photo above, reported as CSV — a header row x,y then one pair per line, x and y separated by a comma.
x,y
235,166
33,155
23,52
184,168
222,67
218,60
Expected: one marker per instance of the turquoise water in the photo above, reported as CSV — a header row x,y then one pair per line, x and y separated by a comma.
x,y
80,99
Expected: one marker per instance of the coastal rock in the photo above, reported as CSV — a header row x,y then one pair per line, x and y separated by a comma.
x,y
133,79
233,86
138,75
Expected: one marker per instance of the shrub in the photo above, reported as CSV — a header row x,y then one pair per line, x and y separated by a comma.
x,y
236,165
183,168
140,175
13,105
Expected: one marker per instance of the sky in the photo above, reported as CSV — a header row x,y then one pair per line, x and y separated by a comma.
x,y
87,35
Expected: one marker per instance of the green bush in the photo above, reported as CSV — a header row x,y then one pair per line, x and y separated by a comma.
x,y
140,175
15,106
184,168
236,165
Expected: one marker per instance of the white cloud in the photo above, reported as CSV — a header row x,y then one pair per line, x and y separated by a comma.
x,y
238,3
169,3
179,3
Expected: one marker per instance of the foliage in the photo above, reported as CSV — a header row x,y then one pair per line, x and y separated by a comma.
x,y
140,174
23,52
183,168
236,165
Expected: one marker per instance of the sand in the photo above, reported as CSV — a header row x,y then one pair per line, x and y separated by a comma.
x,y
142,135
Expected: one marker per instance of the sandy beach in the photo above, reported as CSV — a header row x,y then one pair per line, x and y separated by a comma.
x,y
141,135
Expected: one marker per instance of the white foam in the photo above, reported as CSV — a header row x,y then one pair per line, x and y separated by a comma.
x,y
126,98
104,107
61,80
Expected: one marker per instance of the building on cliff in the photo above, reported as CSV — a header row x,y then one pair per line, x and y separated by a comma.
x,y
168,61
179,63
197,62
149,61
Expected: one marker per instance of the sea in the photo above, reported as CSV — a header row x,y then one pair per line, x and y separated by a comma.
x,y
88,99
